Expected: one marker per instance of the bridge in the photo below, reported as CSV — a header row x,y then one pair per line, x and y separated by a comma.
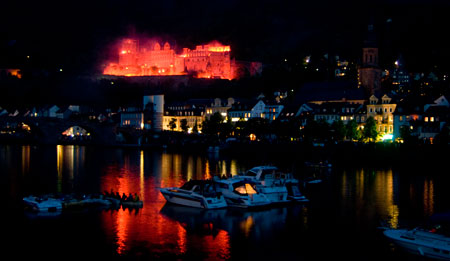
x,y
50,130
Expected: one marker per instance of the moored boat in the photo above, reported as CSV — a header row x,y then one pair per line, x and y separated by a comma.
x,y
241,193
43,204
277,186
195,193
132,204
427,243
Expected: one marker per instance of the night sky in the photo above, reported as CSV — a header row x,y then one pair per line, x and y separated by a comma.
x,y
78,35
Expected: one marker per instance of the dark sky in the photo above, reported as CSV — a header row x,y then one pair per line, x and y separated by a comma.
x,y
77,34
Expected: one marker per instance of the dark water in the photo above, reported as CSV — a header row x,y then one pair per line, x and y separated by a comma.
x,y
339,223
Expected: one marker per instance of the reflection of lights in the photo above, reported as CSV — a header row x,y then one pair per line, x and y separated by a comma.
x,y
59,165
207,171
428,197
246,225
141,174
25,159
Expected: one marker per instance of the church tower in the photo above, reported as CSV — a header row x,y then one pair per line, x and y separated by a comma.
x,y
369,72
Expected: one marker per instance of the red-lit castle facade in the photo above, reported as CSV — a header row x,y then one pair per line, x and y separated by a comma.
x,y
205,61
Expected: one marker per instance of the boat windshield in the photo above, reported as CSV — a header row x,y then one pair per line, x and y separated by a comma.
x,y
251,173
245,189
188,185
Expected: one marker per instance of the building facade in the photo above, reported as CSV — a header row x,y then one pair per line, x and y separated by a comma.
x,y
382,110
205,61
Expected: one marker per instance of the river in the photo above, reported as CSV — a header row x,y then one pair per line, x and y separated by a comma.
x,y
339,222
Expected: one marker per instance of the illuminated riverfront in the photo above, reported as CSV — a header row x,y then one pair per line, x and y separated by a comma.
x,y
131,130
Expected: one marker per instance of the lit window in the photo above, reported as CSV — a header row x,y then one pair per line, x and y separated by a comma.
x,y
401,118
426,119
431,119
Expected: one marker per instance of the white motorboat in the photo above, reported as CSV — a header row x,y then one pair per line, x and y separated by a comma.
x,y
195,193
241,193
43,204
278,187
428,243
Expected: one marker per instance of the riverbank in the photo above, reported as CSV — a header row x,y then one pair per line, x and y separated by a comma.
x,y
339,154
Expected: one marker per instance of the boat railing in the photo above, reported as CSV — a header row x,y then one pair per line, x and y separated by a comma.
x,y
431,237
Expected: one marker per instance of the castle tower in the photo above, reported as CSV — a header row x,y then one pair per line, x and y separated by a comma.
x,y
369,72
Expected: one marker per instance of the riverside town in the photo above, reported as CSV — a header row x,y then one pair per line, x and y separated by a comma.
x,y
162,131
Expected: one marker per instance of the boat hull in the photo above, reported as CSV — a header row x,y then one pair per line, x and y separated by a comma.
x,y
427,248
192,200
48,205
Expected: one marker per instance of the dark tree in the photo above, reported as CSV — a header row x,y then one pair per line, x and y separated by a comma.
x,y
370,132
183,125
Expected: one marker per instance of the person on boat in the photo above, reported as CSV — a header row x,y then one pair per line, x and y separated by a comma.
x,y
130,197
124,197
117,195
136,197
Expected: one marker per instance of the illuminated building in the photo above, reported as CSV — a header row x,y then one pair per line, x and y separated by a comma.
x,y
335,111
383,113
342,68
219,106
246,109
205,61
132,118
400,77
272,111
423,120
153,112
11,72
192,112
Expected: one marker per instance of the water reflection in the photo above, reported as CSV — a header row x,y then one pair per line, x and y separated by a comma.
x,y
152,171
70,163
374,192
428,197
360,197
25,160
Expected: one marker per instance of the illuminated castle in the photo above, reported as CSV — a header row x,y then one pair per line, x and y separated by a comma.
x,y
205,61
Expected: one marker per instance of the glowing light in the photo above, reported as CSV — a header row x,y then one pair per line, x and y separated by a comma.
x,y
387,137
165,61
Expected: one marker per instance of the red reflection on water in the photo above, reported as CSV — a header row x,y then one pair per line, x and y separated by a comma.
x,y
147,226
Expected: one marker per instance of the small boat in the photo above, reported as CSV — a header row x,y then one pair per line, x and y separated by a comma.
x,y
43,204
132,204
86,202
241,193
427,243
195,193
